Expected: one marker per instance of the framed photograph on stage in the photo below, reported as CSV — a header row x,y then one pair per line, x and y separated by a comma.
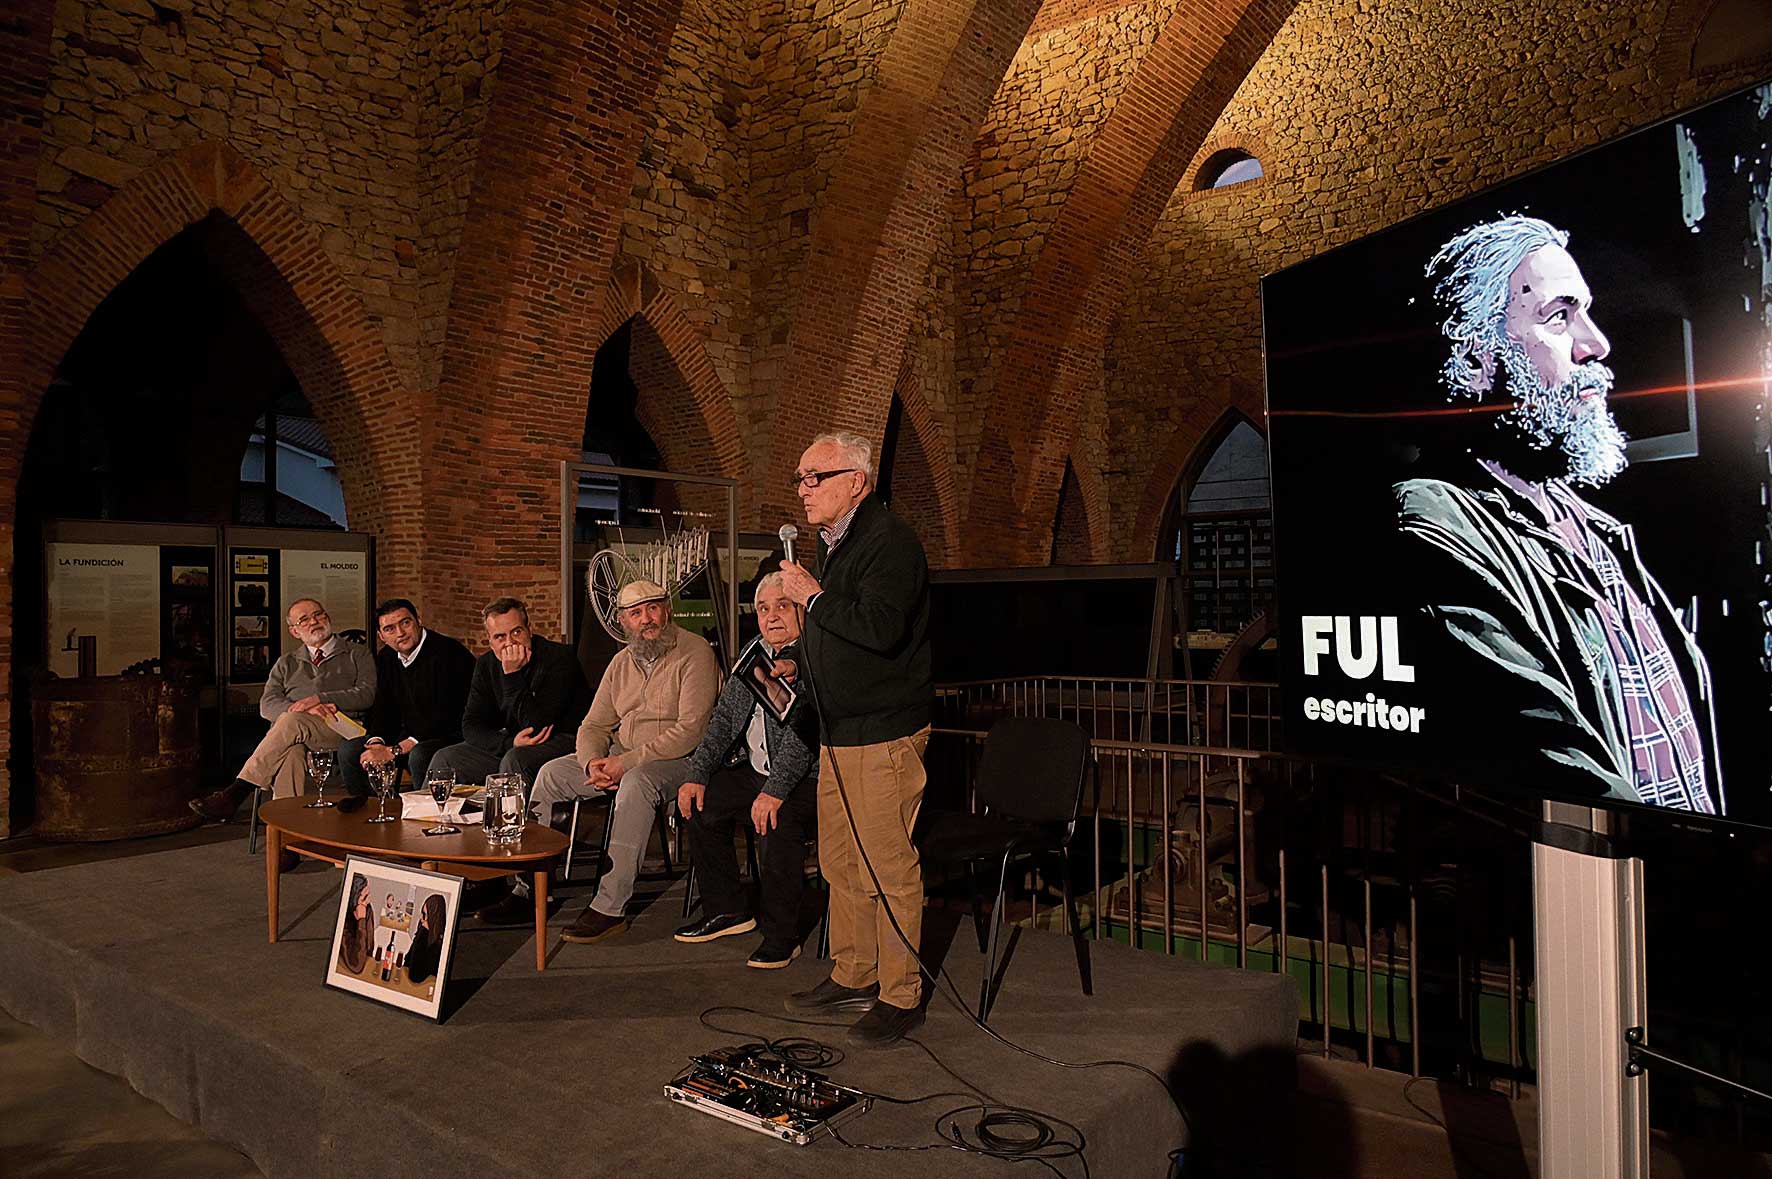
x,y
395,935
774,695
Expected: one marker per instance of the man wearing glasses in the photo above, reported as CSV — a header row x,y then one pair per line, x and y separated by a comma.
x,y
307,688
865,650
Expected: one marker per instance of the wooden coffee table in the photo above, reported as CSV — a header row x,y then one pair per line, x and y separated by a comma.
x,y
326,834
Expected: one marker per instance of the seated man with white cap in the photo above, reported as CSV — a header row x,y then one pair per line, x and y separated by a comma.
x,y
649,713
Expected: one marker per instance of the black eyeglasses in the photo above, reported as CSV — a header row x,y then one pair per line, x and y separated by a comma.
x,y
814,478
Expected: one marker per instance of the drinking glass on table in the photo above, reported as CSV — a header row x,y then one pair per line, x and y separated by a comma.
x,y
441,784
505,803
382,776
320,763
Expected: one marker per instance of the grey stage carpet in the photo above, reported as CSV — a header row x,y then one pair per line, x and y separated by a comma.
x,y
157,968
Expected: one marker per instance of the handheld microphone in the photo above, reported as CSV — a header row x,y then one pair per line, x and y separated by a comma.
x,y
788,534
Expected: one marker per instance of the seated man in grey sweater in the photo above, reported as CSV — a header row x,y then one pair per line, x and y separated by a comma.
x,y
309,686
755,769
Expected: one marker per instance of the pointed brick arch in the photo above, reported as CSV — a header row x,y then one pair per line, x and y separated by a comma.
x,y
276,262
880,219
1087,514
683,405
569,108
933,446
1186,454
1055,344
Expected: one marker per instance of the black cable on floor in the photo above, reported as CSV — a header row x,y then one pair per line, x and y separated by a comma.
x,y
1005,1132
940,974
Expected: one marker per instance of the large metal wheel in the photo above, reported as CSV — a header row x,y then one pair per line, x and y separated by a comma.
x,y
609,571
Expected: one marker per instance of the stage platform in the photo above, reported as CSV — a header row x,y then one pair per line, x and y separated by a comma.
x,y
157,969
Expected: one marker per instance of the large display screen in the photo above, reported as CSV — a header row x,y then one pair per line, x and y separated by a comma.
x,y
1522,479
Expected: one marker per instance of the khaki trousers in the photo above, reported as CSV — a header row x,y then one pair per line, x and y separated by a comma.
x,y
280,759
884,784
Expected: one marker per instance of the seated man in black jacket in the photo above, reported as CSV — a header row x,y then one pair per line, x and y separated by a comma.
x,y
421,687
526,700
753,766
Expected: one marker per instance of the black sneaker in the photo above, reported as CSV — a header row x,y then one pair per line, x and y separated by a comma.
x,y
832,996
513,910
719,925
773,957
885,1024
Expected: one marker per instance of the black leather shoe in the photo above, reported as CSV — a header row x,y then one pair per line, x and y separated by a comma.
x,y
885,1024
513,910
832,996
773,957
719,925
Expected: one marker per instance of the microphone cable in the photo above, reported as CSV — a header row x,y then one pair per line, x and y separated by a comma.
x,y
940,974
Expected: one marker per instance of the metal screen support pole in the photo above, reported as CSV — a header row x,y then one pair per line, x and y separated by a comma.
x,y
1593,1118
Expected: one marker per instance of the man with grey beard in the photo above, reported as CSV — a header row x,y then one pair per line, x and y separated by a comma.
x,y
1567,658
650,711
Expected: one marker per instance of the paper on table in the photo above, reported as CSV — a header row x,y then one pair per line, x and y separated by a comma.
x,y
419,805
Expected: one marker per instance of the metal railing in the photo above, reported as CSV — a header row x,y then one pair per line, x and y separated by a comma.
x,y
1362,889
1212,713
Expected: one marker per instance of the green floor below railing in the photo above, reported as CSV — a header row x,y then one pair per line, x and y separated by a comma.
x,y
1347,991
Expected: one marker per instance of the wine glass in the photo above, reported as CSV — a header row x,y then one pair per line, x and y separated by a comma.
x,y
441,784
320,763
383,775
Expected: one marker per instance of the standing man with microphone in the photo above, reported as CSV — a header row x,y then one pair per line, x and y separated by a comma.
x,y
866,650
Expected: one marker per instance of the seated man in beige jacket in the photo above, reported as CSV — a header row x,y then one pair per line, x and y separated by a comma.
x,y
649,713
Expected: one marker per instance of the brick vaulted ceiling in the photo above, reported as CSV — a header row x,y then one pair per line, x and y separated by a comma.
x,y
820,209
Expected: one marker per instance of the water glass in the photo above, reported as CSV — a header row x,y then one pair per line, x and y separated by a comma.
x,y
320,763
506,808
382,776
441,784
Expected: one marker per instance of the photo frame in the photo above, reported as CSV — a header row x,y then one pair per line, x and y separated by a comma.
x,y
394,923
776,697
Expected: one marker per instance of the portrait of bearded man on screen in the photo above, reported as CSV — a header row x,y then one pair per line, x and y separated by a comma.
x,y
1562,657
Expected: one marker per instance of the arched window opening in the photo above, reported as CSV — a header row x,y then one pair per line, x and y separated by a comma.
x,y
1222,539
295,483
174,373
613,436
1228,167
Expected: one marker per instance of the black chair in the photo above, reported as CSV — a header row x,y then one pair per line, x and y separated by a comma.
x,y
1029,786
606,799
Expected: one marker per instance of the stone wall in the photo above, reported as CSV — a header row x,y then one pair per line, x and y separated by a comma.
x,y
1062,86
314,94
1351,140
814,65
456,52
689,218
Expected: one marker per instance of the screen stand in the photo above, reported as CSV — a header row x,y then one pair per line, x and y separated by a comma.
x,y
1593,1118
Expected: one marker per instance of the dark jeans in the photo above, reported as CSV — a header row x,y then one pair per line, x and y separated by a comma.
x,y
350,763
782,858
472,764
